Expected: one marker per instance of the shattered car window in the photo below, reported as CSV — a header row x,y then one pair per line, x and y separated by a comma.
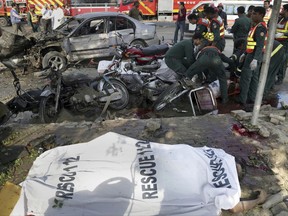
x,y
69,26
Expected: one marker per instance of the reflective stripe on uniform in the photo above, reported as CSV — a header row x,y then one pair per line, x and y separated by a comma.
x,y
282,27
276,50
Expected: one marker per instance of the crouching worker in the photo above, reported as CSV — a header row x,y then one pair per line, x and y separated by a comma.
x,y
209,58
180,57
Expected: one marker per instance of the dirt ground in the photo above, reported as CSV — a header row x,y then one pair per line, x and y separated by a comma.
x,y
266,158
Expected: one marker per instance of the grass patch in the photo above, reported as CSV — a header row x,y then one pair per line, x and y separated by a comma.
x,y
17,170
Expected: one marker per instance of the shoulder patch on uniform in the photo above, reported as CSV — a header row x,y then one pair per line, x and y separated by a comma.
x,y
262,34
198,28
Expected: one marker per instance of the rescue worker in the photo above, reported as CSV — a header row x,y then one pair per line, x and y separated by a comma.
x,y
32,18
268,11
216,27
250,11
282,37
209,58
277,62
241,26
180,57
16,20
222,14
202,24
180,23
253,56
135,12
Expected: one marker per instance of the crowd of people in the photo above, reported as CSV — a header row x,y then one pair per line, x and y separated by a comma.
x,y
250,33
51,17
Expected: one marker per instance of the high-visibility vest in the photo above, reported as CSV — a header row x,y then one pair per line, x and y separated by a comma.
x,y
267,15
251,43
204,22
221,24
282,27
34,17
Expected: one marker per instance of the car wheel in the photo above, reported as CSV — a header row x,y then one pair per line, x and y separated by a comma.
x,y
54,60
3,22
139,43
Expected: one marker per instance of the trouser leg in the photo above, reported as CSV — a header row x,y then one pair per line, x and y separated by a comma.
x,y
176,32
254,84
245,79
15,28
221,75
176,65
182,26
282,72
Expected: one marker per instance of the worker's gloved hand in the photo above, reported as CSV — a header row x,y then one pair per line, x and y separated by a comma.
x,y
253,64
242,58
278,35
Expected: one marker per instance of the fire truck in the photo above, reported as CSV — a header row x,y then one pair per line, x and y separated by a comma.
x,y
149,8
5,8
161,9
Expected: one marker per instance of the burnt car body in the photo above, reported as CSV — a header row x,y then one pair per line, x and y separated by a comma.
x,y
90,36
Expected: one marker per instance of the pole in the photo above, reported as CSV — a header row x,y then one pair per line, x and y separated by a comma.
x,y
266,61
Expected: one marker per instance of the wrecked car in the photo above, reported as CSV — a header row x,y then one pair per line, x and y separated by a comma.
x,y
91,36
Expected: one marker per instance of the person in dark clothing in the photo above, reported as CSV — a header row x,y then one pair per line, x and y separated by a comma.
x,y
135,12
253,57
180,23
222,14
250,11
241,26
180,57
216,27
282,37
209,58
202,24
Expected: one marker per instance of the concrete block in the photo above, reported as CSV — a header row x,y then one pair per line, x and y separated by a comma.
x,y
274,199
263,131
275,121
282,213
279,117
279,208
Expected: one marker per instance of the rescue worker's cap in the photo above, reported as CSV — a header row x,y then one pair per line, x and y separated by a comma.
x,y
32,6
181,3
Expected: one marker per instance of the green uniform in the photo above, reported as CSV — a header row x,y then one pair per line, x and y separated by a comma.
x,y
218,40
209,59
180,56
284,42
249,79
241,27
277,62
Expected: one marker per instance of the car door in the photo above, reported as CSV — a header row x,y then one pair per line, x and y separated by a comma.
x,y
89,40
122,25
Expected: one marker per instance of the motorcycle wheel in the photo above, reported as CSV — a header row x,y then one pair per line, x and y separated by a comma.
x,y
165,97
47,110
121,103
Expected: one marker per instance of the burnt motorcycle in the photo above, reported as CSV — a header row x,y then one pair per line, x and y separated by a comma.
x,y
144,73
26,100
80,94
